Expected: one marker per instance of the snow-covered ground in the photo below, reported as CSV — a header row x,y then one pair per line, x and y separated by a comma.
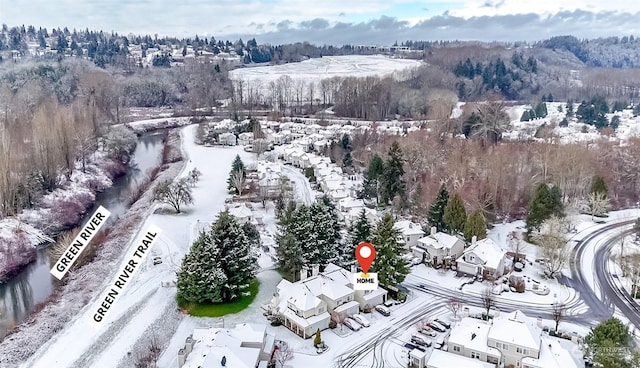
x,y
145,300
317,69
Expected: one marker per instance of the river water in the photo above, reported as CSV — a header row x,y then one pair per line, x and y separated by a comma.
x,y
34,284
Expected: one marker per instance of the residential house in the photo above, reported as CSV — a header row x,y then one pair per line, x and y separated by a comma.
x,y
483,258
245,139
353,214
349,203
244,346
442,359
469,338
306,305
410,232
269,175
512,340
438,247
227,139
242,213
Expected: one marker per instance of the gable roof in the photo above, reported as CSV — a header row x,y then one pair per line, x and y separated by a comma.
x,y
439,241
552,355
488,251
407,227
516,328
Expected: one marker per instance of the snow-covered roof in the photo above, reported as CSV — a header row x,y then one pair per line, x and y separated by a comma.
x,y
516,328
303,322
487,250
442,359
302,297
407,227
471,333
439,241
346,306
240,212
552,355
350,202
325,284
211,344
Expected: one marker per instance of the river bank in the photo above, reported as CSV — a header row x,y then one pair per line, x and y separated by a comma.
x,y
82,284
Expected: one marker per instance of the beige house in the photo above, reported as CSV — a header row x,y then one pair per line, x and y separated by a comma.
x,y
513,340
437,246
306,305
483,258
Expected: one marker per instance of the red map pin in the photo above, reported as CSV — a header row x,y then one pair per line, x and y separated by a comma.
x,y
365,254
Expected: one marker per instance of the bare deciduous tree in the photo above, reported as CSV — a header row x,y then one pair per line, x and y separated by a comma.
x,y
238,181
598,203
558,312
173,194
454,305
283,353
553,245
488,300
517,245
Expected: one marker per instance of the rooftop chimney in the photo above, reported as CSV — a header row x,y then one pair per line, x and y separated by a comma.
x,y
315,270
303,273
474,239
434,230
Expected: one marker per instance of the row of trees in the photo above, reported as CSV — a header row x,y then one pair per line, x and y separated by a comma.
x,y
385,180
449,214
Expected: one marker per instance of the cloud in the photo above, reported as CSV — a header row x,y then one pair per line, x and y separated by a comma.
x,y
512,27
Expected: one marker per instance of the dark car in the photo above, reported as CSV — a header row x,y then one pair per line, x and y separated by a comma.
x,y
443,323
436,327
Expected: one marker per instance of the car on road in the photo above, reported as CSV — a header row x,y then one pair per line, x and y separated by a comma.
x,y
419,340
436,327
383,310
157,260
361,320
443,323
353,325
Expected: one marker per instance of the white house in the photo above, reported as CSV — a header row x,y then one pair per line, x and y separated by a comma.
x,y
245,139
353,214
469,338
438,247
484,258
512,340
244,346
410,232
227,139
242,213
442,359
306,305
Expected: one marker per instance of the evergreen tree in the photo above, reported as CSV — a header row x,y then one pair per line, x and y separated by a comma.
x,y
289,254
331,209
220,265
322,242
525,116
598,185
393,177
436,210
544,203
318,339
252,234
372,182
200,279
389,265
347,160
541,110
606,337
360,232
237,166
455,215
475,226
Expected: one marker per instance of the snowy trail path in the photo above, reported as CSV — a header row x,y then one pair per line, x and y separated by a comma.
x,y
145,300
302,187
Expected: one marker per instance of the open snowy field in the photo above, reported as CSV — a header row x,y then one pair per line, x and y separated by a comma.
x,y
317,69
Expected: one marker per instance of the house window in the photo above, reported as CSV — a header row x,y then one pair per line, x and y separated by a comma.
x,y
472,258
525,352
505,346
456,348
519,350
475,355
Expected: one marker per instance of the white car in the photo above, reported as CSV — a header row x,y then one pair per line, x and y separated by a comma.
x,y
361,320
353,325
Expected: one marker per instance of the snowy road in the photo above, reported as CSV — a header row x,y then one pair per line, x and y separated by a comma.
x,y
145,301
301,185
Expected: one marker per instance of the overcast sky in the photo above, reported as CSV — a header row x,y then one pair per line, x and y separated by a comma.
x,y
336,21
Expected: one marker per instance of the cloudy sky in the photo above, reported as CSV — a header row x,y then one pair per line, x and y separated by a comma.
x,y
336,21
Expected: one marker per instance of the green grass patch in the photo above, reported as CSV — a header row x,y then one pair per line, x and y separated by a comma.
x,y
222,309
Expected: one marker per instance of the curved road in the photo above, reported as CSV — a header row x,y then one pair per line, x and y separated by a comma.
x,y
616,294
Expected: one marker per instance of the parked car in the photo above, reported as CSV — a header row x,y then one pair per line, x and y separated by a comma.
x,y
383,310
409,346
353,325
361,320
436,327
157,260
419,340
439,343
428,332
446,325
390,303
